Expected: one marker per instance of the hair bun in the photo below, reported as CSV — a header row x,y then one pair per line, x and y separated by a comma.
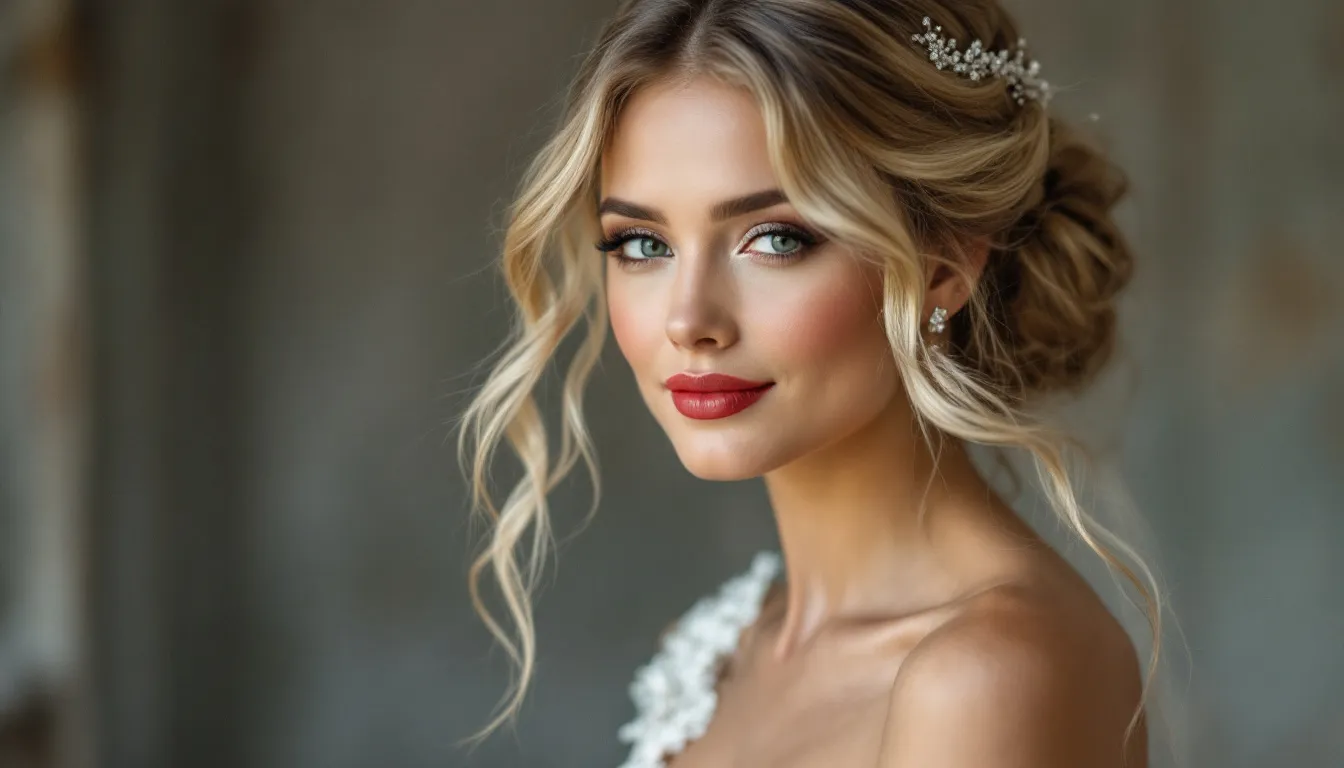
x,y
1057,287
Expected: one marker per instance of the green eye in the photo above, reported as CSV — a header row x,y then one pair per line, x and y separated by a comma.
x,y
784,243
774,242
778,244
630,246
649,248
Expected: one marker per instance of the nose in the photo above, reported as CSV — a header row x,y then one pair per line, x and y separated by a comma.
x,y
700,311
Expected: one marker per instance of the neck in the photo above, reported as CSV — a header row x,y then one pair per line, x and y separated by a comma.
x,y
850,529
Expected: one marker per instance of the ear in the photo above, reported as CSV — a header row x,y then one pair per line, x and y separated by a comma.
x,y
949,290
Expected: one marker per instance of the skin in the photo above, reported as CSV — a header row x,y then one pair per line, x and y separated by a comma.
x,y
963,641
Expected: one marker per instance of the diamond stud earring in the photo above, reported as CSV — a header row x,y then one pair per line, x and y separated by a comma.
x,y
938,320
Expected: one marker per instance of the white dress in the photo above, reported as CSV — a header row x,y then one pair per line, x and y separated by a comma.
x,y
674,694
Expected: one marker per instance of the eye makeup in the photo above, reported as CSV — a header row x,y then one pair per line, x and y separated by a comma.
x,y
776,231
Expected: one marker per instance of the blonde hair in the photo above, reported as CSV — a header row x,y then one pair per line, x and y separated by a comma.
x,y
881,150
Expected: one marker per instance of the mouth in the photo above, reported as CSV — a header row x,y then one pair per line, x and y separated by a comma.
x,y
714,395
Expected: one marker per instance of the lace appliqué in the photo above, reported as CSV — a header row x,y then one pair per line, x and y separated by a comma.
x,y
674,693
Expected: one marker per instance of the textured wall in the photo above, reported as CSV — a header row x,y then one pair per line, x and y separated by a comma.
x,y
294,216
43,395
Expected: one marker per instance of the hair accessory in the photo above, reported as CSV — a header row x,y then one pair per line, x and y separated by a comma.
x,y
938,320
977,64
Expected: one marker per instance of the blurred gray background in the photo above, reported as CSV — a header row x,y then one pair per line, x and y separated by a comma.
x,y
246,267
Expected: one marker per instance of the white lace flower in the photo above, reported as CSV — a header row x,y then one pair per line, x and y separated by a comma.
x,y
674,692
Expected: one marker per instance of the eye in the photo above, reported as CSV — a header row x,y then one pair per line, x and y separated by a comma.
x,y
772,242
644,248
778,244
634,245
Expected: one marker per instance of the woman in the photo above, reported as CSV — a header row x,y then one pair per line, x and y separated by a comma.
x,y
840,244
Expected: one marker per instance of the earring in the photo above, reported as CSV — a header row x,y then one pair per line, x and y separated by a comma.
x,y
938,320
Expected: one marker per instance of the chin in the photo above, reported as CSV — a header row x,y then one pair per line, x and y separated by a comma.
x,y
715,459
709,470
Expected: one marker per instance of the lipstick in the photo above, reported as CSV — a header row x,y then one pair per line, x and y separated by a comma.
x,y
714,395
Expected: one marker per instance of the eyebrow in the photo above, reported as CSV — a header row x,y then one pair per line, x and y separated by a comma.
x,y
720,212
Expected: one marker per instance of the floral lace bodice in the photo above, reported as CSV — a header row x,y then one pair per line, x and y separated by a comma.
x,y
674,694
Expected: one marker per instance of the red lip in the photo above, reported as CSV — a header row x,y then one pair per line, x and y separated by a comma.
x,y
714,395
711,382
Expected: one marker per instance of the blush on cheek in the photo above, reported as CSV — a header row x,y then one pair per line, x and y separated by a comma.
x,y
619,314
635,325
825,322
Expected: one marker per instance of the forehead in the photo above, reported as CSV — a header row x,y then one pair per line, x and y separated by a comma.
x,y
702,138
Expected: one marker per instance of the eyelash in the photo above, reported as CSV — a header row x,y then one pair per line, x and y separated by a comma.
x,y
613,245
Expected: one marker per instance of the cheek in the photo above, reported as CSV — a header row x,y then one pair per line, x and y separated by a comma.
x,y
635,327
830,324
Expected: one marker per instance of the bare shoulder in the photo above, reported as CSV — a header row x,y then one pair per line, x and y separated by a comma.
x,y
1021,676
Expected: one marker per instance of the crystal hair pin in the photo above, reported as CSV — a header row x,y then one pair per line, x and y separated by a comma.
x,y
978,64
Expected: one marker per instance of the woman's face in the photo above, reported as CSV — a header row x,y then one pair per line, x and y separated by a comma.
x,y
747,290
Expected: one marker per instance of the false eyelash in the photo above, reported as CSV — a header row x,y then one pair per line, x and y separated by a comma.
x,y
614,243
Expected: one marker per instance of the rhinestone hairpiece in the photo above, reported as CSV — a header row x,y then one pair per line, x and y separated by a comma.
x,y
977,64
